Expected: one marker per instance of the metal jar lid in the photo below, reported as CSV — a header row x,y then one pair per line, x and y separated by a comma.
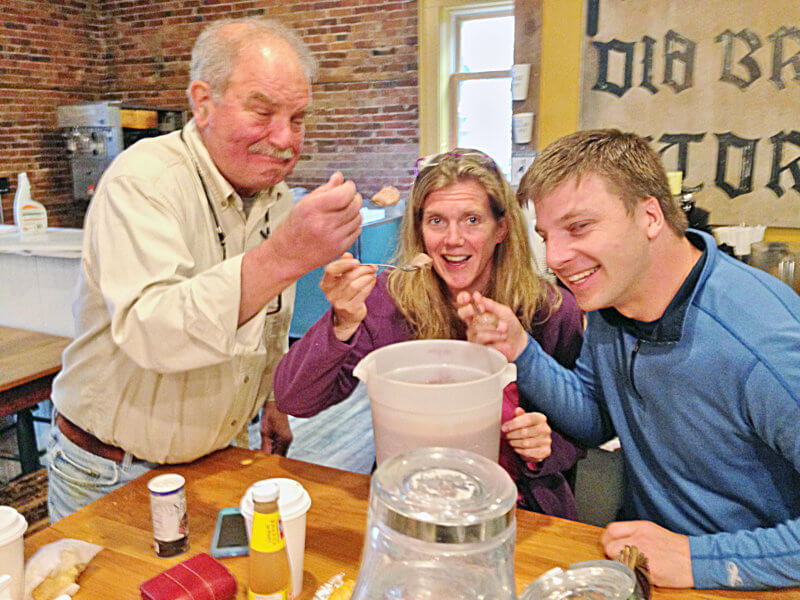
x,y
598,579
443,495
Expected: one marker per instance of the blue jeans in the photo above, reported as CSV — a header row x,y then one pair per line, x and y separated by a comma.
x,y
77,477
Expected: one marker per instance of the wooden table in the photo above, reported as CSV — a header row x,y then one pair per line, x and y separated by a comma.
x,y
29,360
335,529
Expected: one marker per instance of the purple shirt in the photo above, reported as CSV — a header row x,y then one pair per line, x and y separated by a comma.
x,y
317,372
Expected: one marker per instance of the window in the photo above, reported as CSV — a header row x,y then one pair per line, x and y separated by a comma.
x,y
466,52
480,86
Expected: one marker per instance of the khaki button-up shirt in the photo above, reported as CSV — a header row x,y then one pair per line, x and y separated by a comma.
x,y
158,366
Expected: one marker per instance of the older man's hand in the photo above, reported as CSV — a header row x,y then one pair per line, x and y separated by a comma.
x,y
321,226
276,435
668,554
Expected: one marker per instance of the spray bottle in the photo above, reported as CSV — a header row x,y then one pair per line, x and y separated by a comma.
x,y
30,217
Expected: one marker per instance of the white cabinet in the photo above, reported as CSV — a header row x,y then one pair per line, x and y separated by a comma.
x,y
37,279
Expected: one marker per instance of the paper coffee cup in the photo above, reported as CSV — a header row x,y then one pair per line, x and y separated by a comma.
x,y
522,127
12,552
520,76
293,504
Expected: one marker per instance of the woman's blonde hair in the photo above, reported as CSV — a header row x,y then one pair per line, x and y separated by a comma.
x,y
423,297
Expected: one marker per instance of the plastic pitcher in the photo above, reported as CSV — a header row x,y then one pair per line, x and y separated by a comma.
x,y
436,393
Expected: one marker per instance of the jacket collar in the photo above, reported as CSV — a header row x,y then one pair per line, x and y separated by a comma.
x,y
669,327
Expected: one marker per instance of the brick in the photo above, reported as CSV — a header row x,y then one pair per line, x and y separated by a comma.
x,y
138,51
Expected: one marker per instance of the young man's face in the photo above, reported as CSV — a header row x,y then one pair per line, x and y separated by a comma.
x,y
255,130
598,250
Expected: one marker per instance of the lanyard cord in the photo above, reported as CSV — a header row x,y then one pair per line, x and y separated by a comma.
x,y
275,305
220,231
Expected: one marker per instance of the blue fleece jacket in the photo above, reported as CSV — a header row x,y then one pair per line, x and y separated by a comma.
x,y
707,410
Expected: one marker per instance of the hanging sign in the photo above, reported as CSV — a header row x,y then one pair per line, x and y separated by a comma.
x,y
715,86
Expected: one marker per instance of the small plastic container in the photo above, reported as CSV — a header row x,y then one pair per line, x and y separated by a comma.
x,y
30,216
590,579
168,509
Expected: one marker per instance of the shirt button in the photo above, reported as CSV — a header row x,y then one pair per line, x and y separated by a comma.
x,y
246,378
224,204
233,423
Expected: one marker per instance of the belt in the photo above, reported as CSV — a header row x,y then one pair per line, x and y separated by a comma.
x,y
86,441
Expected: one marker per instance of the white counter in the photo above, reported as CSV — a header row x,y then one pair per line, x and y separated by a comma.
x,y
37,279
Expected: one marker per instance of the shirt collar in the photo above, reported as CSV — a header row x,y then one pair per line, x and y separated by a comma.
x,y
222,193
669,327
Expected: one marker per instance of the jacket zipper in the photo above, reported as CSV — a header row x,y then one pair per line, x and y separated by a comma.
x,y
634,352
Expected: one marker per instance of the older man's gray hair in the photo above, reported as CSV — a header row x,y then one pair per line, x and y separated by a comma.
x,y
218,46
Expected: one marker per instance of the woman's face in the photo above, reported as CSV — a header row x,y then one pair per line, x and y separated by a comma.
x,y
460,233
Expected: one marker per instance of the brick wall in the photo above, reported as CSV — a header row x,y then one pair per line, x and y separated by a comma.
x,y
50,54
365,118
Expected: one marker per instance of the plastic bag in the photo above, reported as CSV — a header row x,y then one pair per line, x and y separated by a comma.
x,y
54,569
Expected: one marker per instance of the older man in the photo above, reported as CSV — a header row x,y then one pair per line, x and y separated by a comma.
x,y
191,249
691,357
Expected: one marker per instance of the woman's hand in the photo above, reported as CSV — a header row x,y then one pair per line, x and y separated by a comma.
x,y
504,332
529,435
346,284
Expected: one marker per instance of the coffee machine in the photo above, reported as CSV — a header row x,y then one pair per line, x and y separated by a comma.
x,y
96,132
93,134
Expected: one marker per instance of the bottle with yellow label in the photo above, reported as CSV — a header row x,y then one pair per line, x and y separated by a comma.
x,y
269,577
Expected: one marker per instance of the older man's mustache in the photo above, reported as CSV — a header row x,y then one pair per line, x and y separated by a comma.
x,y
272,151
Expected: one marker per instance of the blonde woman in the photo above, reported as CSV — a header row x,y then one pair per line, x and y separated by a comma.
x,y
464,215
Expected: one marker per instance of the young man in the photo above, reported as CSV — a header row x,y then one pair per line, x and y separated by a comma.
x,y
690,357
191,249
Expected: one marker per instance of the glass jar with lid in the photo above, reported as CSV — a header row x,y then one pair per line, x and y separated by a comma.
x,y
441,524
781,259
595,579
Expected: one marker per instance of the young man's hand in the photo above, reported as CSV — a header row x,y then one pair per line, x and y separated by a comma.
x,y
504,332
668,553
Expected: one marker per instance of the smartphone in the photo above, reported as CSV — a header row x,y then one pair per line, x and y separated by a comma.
x,y
230,534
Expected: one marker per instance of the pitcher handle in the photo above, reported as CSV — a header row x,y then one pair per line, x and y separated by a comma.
x,y
509,374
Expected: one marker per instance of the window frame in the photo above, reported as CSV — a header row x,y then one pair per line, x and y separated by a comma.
x,y
438,79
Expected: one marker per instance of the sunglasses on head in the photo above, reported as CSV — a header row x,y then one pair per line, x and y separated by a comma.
x,y
432,160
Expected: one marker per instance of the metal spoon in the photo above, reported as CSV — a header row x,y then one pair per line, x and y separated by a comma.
x,y
400,267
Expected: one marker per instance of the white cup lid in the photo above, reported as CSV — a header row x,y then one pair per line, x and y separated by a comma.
x,y
12,525
166,484
293,501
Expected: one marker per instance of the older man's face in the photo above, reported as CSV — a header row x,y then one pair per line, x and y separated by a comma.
x,y
255,130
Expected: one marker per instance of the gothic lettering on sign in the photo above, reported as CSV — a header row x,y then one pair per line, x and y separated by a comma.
x,y
728,39
647,64
604,49
778,63
682,141
747,147
678,50
777,155
730,77
726,141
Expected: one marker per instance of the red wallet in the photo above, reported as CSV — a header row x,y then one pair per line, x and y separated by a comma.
x,y
198,578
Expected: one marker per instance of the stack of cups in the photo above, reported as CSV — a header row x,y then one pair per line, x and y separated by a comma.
x,y
293,504
12,553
